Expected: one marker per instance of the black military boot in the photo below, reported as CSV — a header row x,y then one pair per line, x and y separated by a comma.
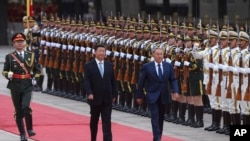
x,y
182,113
175,108
20,126
217,120
213,120
206,103
29,125
246,119
226,123
190,119
167,112
40,83
49,86
121,101
199,117
235,118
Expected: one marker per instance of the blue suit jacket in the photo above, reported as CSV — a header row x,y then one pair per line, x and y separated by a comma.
x,y
104,89
155,86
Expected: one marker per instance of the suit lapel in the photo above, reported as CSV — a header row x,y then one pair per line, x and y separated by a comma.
x,y
154,69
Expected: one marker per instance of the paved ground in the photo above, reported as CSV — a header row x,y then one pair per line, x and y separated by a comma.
x,y
170,129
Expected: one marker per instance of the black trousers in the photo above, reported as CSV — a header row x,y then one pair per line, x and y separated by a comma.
x,y
21,102
105,112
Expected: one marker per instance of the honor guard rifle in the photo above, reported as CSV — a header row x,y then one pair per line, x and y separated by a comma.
x,y
230,73
218,87
239,92
177,57
247,93
185,69
210,71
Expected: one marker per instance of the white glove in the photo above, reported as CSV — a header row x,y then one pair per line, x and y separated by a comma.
x,y
45,52
242,70
82,49
115,42
108,52
136,57
195,47
186,63
129,56
64,47
177,50
10,74
122,54
143,58
235,70
248,70
230,68
77,48
225,68
168,60
210,65
122,43
152,59
93,40
220,66
42,42
70,47
215,68
177,63
116,53
88,49
33,81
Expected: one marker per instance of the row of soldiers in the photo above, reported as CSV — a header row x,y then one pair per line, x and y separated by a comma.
x,y
207,60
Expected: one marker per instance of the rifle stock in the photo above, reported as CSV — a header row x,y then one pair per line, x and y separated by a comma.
x,y
230,79
185,75
247,93
218,87
239,92
210,74
176,68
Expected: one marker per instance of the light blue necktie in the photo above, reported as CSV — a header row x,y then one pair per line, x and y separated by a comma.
x,y
159,71
101,68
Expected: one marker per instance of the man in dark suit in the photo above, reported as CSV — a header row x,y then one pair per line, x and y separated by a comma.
x,y
100,86
155,77
19,68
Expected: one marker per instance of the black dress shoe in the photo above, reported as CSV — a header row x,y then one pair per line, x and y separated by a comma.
x,y
31,133
23,138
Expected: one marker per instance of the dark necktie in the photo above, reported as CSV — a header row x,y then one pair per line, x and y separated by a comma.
x,y
21,55
159,71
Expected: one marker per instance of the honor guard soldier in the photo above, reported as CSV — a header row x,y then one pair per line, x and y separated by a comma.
x,y
42,51
22,71
221,89
207,56
136,67
48,51
170,51
245,102
178,68
144,58
233,80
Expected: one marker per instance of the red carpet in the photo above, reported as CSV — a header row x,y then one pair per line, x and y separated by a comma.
x,y
53,124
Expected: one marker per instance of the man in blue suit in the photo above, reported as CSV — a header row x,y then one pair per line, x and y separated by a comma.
x,y
100,86
155,77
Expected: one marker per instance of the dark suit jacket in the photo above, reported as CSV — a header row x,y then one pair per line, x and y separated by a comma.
x,y
155,86
103,89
